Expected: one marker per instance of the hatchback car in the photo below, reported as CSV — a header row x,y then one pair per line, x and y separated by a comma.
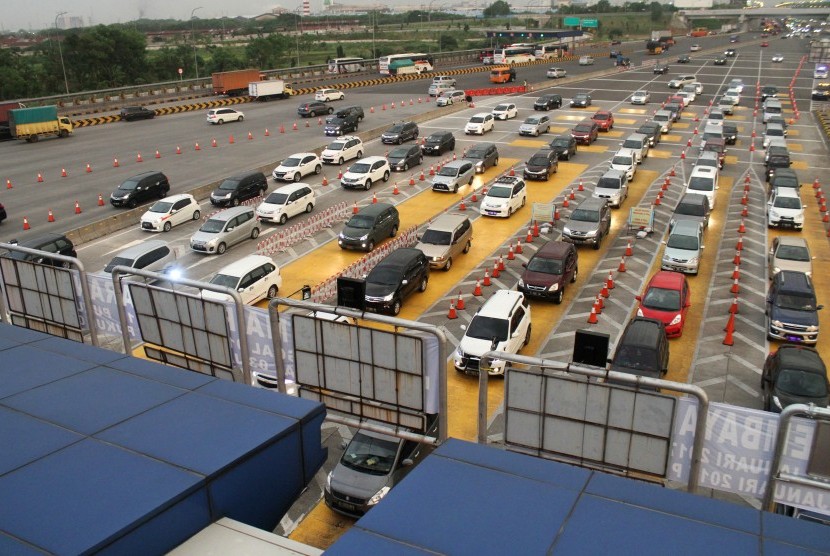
x,y
548,102
693,207
448,98
564,146
535,125
439,142
343,149
791,308
297,166
153,255
169,212
480,124
719,61
541,165
604,119
314,109
222,115
483,156
585,132
681,80
643,349
505,111
784,209
139,189
665,119
588,223
549,271
773,131
661,69
394,278
438,89
653,130
286,202
794,374
366,171
581,100
769,91
556,73
502,324
504,197
371,225
694,48
684,248
446,237
48,243
453,175
640,97
326,95
613,186
789,253
683,59
403,158
254,277
241,187
130,113
625,162
638,143
225,229
667,298
400,133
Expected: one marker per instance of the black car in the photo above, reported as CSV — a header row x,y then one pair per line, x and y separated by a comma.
x,y
400,133
402,159
314,108
439,142
394,278
541,165
483,156
768,91
564,146
50,243
784,177
653,131
140,188
2,212
340,126
661,69
675,108
130,113
548,102
643,349
791,308
775,162
235,189
730,133
581,100
794,374
720,61
730,53
683,59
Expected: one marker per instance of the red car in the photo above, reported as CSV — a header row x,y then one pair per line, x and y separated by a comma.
x,y
604,119
765,43
667,298
585,132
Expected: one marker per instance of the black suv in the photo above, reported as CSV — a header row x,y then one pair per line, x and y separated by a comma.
x,y
130,113
483,156
140,188
50,243
356,111
776,161
730,133
784,177
643,349
439,142
794,374
369,226
314,108
652,130
341,125
235,189
397,275
541,165
546,102
564,146
792,312
402,158
400,132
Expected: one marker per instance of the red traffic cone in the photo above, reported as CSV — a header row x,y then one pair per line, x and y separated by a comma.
x,y
340,174
512,171
294,127
510,254
77,208
39,178
733,308
736,273
454,157
462,207
178,149
460,303
600,303
138,158
392,106
673,172
610,281
496,271
745,212
572,196
452,314
565,203
657,201
474,198
213,142
26,223
477,289
735,287
282,128
383,106
88,168
325,181
372,110
500,262
63,174
319,121
100,200
374,199
737,258
628,250
486,281
519,249
267,133
51,217
581,187
556,215
395,190
621,268
411,180
815,183
307,124
355,209
421,177
730,328
683,154
592,318
529,238
431,170
604,291
196,147
535,229
115,163
158,154
744,199
740,245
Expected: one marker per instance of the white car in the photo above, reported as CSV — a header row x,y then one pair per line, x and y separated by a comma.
x,y
736,84
170,211
507,195
678,82
340,150
694,48
326,95
363,173
222,115
297,166
480,124
641,97
698,87
690,90
451,97
778,58
286,202
687,97
556,73
732,95
255,277
625,161
784,208
505,111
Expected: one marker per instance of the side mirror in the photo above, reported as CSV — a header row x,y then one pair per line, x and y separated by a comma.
x,y
820,307
407,463
515,334
231,229
638,297
524,265
343,444
404,282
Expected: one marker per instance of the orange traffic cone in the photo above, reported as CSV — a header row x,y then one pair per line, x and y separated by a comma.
x,y
496,271
621,268
462,207
395,190
737,258
138,158
374,199
745,212
422,177
736,274
500,262
294,127
355,210
572,196
178,149
26,223
628,250
730,329
372,110
673,172
100,200
556,215
88,168
610,281
512,171
740,245
735,287
600,303
581,187
39,178
51,217
325,181
519,249
460,303
592,318
604,291
115,163
565,203
77,208
412,180
452,314
486,281
477,289
63,173
510,255
431,170
197,147
733,308
213,142
158,154
529,238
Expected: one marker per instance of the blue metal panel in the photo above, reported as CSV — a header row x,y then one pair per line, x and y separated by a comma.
x,y
796,532
359,541
25,367
31,439
14,547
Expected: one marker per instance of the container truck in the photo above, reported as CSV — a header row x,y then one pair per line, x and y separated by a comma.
x,y
32,123
266,90
663,36
4,118
234,83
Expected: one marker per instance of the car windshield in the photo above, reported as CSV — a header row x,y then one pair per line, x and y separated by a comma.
x,y
701,184
538,160
501,108
128,185
716,116
787,203
621,161
487,328
800,383
225,280
662,299
436,139
396,129
476,120
793,253
291,162
682,241
162,207
581,97
545,266
775,132
532,120
384,275
229,185
601,116
546,98
607,183
361,222
400,152
276,198
337,121
585,215
370,454
359,168
500,192
640,94
212,226
633,357
118,261
560,142
337,146
448,171
632,144
582,129
435,237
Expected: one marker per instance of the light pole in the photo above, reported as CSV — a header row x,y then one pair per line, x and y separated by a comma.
x,y
60,52
192,38
297,21
374,24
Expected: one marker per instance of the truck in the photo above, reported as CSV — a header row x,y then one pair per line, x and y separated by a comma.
x,y
266,90
664,37
409,67
32,123
654,47
4,118
234,83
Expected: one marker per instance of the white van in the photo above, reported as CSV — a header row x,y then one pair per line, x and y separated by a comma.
x,y
286,202
255,277
586,60
703,181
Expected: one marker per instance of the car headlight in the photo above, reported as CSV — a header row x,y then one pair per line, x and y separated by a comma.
x,y
479,165
459,354
676,320
341,236
521,283
777,402
776,270
364,237
378,496
773,214
812,328
328,482
592,233
389,297
666,259
554,287
640,312
566,230
777,323
693,260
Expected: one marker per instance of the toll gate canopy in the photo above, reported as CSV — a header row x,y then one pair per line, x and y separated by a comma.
x,y
472,499
102,451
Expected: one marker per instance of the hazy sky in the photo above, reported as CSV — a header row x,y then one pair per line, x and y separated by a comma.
x,y
38,14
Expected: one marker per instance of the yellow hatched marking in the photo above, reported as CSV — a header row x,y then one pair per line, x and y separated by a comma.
x,y
532,143
593,148
670,138
558,129
659,154
612,133
624,121
800,165
639,111
793,132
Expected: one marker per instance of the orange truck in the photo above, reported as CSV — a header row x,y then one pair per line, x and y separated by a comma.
x,y
234,83
699,32
502,74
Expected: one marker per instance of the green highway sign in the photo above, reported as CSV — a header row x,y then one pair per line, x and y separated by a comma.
x,y
590,23
572,21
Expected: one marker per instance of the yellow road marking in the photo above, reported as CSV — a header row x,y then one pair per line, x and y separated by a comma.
x,y
639,111
656,153
800,165
593,148
671,138
558,129
625,121
681,125
793,132
615,134
532,143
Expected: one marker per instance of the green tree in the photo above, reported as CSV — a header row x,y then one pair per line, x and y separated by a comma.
x,y
105,56
603,6
447,42
656,11
223,59
266,53
498,8
340,52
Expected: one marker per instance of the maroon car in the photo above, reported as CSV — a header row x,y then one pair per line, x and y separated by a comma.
x,y
585,132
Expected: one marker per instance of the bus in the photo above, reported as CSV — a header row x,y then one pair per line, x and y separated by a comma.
x,y
515,54
486,56
346,65
384,61
550,50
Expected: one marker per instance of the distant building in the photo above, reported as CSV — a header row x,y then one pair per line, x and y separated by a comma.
x,y
693,4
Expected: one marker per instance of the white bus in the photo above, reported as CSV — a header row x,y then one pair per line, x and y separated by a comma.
x,y
515,55
550,50
346,65
384,61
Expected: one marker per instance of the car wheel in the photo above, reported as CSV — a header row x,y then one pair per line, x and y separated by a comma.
x,y
196,215
547,176
340,161
283,219
524,200
297,177
576,273
597,244
318,169
255,233
220,250
330,110
368,184
386,175
131,203
527,336
422,287
371,246
468,247
496,161
167,226
448,265
309,207
240,118
220,122
558,298
399,141
394,231
359,155
235,201
272,291
396,307
405,166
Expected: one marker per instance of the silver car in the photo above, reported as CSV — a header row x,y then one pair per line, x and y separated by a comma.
x,y
683,248
454,175
640,97
446,237
535,125
224,229
790,253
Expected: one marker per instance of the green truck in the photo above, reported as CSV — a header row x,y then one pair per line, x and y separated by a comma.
x,y
32,123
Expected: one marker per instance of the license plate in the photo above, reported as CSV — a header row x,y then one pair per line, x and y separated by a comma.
x,y
793,338
491,212
346,506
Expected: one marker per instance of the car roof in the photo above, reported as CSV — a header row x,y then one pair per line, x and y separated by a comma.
x,y
146,246
786,192
667,279
446,222
344,138
624,152
231,212
238,177
801,357
243,265
497,303
554,249
177,197
790,240
480,147
481,114
642,331
794,281
438,134
592,203
374,209
399,258
291,187
297,155
693,198
612,173
370,159
686,228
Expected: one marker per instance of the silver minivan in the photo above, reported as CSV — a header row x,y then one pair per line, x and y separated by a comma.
x,y
453,175
446,237
153,255
683,247
224,229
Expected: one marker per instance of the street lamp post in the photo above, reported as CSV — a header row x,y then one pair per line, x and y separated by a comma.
x,y
298,34
60,52
193,38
